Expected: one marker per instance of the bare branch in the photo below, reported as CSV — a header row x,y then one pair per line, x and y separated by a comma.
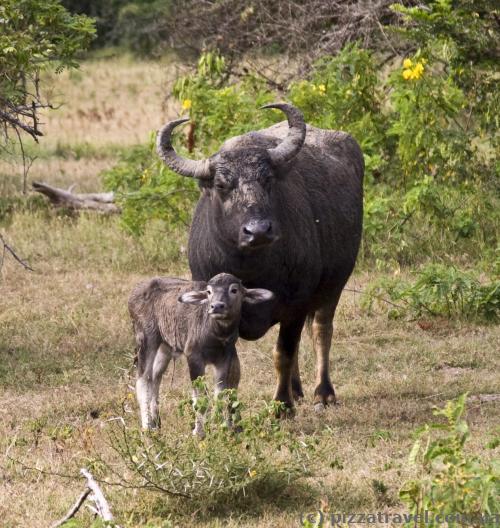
x,y
100,501
31,130
74,509
7,248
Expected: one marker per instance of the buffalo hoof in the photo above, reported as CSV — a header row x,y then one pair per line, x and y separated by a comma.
x,y
284,410
298,396
324,395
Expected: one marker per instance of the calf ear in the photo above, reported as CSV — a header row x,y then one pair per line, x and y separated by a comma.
x,y
193,297
258,295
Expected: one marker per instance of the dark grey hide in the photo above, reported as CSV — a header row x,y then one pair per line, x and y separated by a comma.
x,y
287,217
198,319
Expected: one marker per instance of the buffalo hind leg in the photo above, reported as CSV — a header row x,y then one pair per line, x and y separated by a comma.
x,y
285,353
322,330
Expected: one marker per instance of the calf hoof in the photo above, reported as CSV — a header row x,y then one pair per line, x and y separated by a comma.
x,y
199,433
319,407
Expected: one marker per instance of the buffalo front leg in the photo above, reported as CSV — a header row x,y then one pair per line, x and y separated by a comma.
x,y
285,354
322,330
297,391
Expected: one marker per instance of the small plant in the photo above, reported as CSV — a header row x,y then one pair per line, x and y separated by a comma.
x,y
438,291
451,482
256,456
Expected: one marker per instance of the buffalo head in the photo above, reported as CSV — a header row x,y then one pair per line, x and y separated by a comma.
x,y
240,181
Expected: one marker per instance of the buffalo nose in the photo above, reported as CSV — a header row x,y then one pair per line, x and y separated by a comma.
x,y
258,228
257,233
217,307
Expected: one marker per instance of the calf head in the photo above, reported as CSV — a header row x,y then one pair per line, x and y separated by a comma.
x,y
240,182
224,296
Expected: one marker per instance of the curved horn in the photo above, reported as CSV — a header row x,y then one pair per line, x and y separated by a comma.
x,y
186,167
293,142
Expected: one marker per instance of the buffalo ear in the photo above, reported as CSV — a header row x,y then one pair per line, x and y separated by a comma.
x,y
257,295
193,297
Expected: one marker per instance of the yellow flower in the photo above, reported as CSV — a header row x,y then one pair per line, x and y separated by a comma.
x,y
252,473
407,63
414,73
186,104
418,70
322,88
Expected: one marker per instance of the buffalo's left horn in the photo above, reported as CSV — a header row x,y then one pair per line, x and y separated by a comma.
x,y
193,168
293,142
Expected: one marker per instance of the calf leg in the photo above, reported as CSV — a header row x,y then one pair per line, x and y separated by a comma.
x,y
147,346
160,365
284,359
197,369
322,330
227,376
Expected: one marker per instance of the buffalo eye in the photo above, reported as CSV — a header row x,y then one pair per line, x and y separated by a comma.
x,y
233,289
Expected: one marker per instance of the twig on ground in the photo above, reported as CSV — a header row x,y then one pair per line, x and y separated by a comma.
x,y
380,298
7,248
74,509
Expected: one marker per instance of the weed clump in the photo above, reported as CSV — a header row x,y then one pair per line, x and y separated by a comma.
x,y
254,457
449,481
438,291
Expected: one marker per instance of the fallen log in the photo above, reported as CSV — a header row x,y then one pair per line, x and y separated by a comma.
x,y
100,202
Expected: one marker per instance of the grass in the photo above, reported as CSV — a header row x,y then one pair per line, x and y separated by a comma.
x,y
66,347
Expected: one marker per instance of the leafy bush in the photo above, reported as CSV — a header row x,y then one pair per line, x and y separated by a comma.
x,y
438,291
449,481
430,219
147,190
258,457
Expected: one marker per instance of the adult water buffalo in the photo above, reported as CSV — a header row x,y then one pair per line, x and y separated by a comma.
x,y
281,209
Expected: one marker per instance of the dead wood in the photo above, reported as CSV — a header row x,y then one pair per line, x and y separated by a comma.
x,y
74,509
100,202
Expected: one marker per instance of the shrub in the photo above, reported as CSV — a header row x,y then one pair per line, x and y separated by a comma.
x,y
449,481
259,457
147,190
439,291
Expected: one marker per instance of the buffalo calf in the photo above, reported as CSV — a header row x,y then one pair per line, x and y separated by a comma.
x,y
200,320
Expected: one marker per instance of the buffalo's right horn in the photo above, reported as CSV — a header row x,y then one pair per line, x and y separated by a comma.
x,y
291,145
193,168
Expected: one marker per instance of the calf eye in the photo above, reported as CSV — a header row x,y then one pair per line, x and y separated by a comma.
x,y
234,290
